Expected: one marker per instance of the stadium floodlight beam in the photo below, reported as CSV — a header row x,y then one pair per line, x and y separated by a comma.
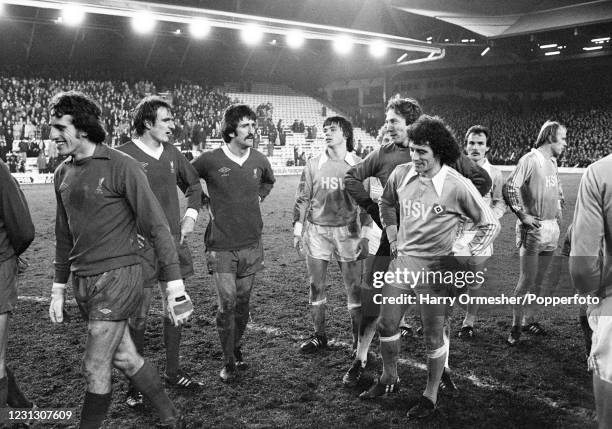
x,y
343,44
295,39
548,54
592,48
402,57
73,14
378,48
179,14
600,40
143,22
252,34
549,46
485,51
199,28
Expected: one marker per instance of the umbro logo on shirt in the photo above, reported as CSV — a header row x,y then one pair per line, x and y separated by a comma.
x,y
224,171
172,167
144,166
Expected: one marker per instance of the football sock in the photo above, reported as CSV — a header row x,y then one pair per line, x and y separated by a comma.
x,y
3,391
94,410
172,341
15,397
389,349
147,381
241,319
226,326
365,339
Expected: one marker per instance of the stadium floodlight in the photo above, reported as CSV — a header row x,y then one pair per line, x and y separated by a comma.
x,y
548,54
252,34
343,44
378,48
143,22
549,46
592,48
295,39
600,40
199,28
73,14
484,52
402,57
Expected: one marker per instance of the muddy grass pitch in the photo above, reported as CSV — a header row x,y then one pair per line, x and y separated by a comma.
x,y
541,383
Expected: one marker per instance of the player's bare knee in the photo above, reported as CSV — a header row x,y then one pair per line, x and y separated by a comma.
x,y
227,306
317,292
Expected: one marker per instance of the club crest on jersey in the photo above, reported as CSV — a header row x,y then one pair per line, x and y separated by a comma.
x,y
172,167
99,188
256,173
418,209
224,171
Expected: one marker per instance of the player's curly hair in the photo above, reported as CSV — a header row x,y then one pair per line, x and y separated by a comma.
x,y
232,116
146,110
86,113
479,129
347,129
433,132
408,108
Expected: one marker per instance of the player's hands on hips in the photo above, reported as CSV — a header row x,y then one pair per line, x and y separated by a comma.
x,y
298,245
56,308
530,221
363,248
180,306
187,227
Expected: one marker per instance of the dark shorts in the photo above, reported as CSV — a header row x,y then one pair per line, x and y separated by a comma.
x,y
151,271
113,295
8,285
243,262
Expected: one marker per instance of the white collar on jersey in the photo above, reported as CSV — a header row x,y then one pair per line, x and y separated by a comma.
x,y
542,159
240,160
348,158
437,180
153,153
486,166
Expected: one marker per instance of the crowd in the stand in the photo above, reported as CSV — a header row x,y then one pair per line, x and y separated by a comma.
x,y
198,109
514,125
24,121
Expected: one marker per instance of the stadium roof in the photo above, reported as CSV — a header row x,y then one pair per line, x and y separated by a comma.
x,y
500,18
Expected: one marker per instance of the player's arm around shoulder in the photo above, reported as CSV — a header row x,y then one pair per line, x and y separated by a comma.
x,y
389,201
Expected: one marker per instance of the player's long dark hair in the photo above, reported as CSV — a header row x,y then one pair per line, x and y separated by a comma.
x,y
86,113
433,132
232,116
347,129
146,110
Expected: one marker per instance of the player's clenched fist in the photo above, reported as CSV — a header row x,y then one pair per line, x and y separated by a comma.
x,y
56,308
180,306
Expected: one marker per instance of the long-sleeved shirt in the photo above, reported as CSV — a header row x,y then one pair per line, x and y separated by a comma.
x,y
321,197
16,227
590,259
431,209
235,186
534,187
383,161
166,170
101,202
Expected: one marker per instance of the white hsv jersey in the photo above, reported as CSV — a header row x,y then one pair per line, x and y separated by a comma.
x,y
321,196
534,187
431,209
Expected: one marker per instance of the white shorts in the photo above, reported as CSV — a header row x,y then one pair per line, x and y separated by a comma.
x,y
542,239
321,242
600,320
373,233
